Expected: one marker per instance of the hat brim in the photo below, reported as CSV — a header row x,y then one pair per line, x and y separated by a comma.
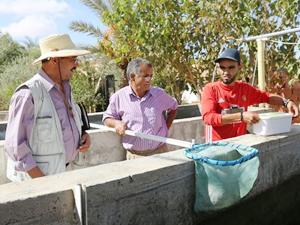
x,y
230,58
61,53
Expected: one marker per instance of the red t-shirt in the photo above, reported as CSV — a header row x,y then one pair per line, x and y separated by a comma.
x,y
217,97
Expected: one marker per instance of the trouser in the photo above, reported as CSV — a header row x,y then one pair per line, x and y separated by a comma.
x,y
133,154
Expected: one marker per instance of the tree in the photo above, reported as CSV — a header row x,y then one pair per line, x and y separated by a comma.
x,y
183,38
14,74
86,80
14,67
188,35
99,7
9,50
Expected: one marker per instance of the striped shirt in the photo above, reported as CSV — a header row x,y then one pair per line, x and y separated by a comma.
x,y
143,115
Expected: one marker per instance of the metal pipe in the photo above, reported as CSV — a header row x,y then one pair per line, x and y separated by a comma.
x,y
270,35
261,64
255,67
171,141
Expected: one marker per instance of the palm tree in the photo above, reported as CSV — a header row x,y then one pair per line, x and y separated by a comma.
x,y
106,37
30,43
98,7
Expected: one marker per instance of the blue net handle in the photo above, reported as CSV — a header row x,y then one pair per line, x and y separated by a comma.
x,y
252,153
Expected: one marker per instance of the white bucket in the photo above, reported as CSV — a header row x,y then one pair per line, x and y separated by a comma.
x,y
273,123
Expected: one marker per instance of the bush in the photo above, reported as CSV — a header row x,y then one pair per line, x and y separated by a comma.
x,y
14,74
89,78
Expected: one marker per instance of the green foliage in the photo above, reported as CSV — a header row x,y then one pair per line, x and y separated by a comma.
x,y
87,80
183,38
9,50
188,35
98,7
14,74
14,66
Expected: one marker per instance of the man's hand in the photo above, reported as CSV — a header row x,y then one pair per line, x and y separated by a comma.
x,y
35,173
250,117
120,128
117,124
85,143
293,109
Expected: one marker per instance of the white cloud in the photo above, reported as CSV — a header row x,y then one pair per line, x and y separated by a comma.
x,y
28,7
33,18
31,26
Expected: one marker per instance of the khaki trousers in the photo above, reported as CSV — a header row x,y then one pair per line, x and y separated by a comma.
x,y
133,154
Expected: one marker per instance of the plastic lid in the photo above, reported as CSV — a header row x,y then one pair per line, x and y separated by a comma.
x,y
274,115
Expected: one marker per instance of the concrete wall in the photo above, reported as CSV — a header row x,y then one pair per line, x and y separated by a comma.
x,y
3,163
3,125
153,190
3,115
106,146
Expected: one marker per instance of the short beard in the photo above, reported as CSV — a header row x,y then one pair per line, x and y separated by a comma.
x,y
232,79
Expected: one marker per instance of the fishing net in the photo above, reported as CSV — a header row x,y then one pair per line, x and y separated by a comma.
x,y
225,173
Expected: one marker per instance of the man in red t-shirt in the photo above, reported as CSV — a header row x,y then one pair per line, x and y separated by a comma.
x,y
225,102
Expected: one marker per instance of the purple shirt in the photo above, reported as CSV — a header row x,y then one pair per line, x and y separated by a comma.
x,y
143,115
20,121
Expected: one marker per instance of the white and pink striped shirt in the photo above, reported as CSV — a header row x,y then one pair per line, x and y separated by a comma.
x,y
144,115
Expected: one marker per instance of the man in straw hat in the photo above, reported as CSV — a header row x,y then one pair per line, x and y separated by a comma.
x,y
44,132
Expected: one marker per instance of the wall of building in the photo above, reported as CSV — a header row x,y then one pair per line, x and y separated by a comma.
x,y
287,91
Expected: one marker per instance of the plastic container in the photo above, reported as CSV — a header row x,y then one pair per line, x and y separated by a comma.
x,y
273,123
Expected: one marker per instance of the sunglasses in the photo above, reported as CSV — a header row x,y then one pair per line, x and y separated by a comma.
x,y
146,77
73,60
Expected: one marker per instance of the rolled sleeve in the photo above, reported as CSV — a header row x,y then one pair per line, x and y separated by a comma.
x,y
22,163
170,102
112,110
19,126
174,106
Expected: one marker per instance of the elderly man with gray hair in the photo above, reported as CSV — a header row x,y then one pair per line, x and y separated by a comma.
x,y
139,107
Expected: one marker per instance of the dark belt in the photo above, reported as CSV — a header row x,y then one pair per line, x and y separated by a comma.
x,y
144,152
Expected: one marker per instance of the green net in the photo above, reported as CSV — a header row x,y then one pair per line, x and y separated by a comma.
x,y
225,173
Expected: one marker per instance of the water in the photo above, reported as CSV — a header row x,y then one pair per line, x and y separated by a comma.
x,y
277,206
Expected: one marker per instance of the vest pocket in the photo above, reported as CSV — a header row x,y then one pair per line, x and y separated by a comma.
x,y
50,163
44,167
43,132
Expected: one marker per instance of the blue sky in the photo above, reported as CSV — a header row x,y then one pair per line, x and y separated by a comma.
x,y
39,18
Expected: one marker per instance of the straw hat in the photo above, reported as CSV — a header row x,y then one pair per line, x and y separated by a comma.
x,y
58,45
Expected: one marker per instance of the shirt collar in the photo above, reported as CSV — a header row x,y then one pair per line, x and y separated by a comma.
x,y
228,87
131,92
49,83
46,80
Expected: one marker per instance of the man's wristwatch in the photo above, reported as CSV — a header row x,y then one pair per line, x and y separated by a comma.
x,y
286,101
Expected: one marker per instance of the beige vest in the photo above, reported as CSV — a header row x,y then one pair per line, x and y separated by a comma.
x,y
46,141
